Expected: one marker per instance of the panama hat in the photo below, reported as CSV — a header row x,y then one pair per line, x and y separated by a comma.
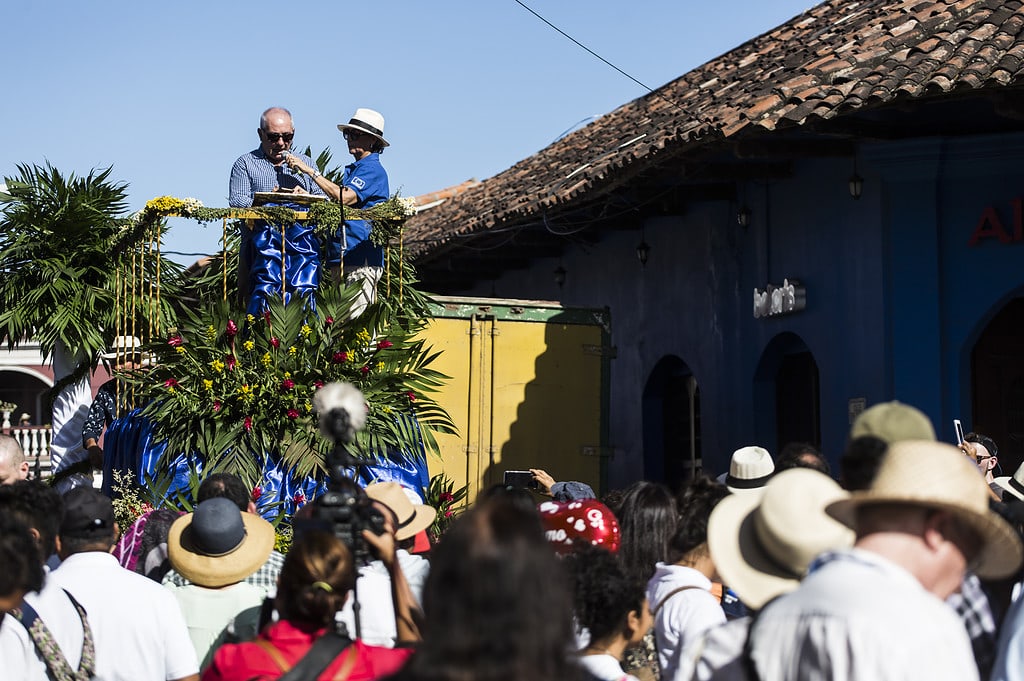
x,y
1013,484
750,468
938,476
217,544
892,422
762,543
368,121
122,347
411,518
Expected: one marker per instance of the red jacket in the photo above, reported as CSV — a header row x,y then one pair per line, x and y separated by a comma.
x,y
248,661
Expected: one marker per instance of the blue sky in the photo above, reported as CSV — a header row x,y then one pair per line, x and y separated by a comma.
x,y
170,94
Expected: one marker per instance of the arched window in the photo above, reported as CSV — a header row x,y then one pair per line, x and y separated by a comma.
x,y
671,423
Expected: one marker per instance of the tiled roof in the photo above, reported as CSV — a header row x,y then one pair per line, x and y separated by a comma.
x,y
838,57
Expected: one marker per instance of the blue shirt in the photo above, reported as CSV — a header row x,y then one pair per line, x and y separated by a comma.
x,y
368,179
253,173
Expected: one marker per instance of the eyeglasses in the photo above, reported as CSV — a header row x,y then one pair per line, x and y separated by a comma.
x,y
352,134
275,136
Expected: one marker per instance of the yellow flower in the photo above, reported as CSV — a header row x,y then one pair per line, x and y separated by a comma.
x,y
248,345
309,407
292,350
180,350
211,332
217,365
386,409
265,359
249,318
380,366
245,392
208,384
287,374
363,336
305,330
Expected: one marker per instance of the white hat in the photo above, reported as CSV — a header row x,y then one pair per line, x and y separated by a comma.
x,y
762,543
750,468
123,346
1014,485
368,121
937,475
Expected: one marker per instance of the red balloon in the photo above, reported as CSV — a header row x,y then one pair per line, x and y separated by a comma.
x,y
587,519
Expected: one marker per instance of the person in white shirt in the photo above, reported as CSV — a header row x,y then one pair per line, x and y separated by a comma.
x,y
38,506
138,628
876,611
679,593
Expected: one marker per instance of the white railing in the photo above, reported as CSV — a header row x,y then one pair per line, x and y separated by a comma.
x,y
35,441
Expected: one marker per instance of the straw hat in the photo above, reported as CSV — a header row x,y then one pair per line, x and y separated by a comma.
x,y
218,544
412,518
749,469
368,121
763,542
892,422
1015,484
938,476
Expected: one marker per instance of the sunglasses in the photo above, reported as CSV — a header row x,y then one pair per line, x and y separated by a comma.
x,y
352,134
275,136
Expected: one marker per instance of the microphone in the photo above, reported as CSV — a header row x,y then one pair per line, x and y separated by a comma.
x,y
341,409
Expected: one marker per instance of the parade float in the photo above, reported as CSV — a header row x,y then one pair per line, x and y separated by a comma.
x,y
228,377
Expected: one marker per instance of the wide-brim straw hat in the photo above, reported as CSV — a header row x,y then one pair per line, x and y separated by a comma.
x,y
123,346
411,518
762,543
750,468
892,422
217,544
936,475
1013,484
368,121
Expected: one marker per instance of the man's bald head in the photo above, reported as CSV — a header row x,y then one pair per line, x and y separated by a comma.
x,y
13,466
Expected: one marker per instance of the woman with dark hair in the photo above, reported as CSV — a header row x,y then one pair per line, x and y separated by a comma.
x,y
23,568
315,581
647,520
497,604
680,590
610,607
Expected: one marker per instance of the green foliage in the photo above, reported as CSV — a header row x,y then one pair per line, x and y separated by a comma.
x,y
235,388
449,502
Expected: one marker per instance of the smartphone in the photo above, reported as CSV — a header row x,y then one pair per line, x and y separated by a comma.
x,y
959,431
522,479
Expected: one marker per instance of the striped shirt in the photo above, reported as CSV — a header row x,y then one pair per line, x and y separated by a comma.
x,y
253,173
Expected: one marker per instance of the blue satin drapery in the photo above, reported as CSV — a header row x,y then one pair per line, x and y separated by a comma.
x,y
299,271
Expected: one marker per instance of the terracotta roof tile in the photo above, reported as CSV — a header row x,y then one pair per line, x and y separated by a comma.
x,y
837,57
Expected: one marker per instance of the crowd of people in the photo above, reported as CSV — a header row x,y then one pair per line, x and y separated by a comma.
x,y
905,566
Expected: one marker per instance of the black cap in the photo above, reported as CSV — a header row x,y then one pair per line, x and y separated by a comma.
x,y
87,514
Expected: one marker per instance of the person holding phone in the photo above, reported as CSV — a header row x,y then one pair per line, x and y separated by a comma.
x,y
984,452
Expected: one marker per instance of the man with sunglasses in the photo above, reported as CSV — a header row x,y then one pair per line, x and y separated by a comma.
x,y
264,169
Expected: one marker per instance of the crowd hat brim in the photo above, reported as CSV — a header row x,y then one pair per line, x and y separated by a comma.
x,y
369,121
762,543
411,518
936,475
197,565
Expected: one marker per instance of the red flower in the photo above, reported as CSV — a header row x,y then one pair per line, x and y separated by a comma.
x,y
175,341
339,357
247,423
299,498
216,405
318,384
445,497
384,344
231,362
293,414
266,316
257,492
171,383
365,370
411,395
287,384
329,321
232,328
449,513
275,342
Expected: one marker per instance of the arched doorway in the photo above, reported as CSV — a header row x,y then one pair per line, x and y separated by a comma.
x,y
786,394
671,423
25,388
997,385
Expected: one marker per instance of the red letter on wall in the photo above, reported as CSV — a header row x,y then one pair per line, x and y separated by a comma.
x,y
989,226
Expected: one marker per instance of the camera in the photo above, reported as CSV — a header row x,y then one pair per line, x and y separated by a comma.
x,y
344,509
521,479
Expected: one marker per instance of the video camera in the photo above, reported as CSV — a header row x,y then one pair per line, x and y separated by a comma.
x,y
344,508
